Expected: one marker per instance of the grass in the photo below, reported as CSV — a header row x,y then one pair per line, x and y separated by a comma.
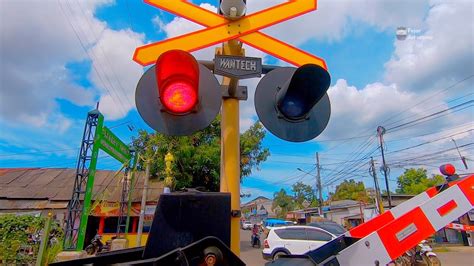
x,y
442,249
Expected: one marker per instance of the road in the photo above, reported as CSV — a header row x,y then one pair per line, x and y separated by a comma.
x,y
251,256
458,256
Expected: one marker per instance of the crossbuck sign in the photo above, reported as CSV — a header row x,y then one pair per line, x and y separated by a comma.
x,y
219,29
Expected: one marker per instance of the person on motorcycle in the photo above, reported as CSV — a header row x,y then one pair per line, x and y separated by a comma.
x,y
255,230
255,239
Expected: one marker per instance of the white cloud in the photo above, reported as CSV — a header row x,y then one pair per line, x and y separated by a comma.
x,y
358,111
35,52
353,108
118,74
441,54
331,21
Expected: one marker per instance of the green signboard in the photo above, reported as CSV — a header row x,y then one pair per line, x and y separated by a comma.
x,y
107,141
112,145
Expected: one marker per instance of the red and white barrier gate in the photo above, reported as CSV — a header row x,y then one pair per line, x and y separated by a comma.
x,y
385,238
461,227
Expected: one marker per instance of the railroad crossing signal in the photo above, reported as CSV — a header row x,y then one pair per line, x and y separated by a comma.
x,y
220,29
292,103
178,96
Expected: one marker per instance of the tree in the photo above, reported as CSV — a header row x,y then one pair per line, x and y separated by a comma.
x,y
16,245
414,181
351,190
284,201
302,192
197,157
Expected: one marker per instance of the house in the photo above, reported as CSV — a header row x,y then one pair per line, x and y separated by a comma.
x,y
258,209
347,213
38,191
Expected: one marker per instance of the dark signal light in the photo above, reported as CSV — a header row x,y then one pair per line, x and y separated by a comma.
x,y
306,87
177,77
292,103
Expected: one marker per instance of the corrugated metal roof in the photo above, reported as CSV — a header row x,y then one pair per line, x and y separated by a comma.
x,y
56,184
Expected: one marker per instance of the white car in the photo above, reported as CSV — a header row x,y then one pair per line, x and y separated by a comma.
x,y
247,225
294,240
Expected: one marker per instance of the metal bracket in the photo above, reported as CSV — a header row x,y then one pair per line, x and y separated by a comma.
x,y
235,213
240,93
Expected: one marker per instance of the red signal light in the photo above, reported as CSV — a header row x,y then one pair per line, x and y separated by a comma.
x,y
177,77
447,169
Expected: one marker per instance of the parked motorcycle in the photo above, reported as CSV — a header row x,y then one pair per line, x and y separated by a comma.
x,y
421,254
108,245
95,246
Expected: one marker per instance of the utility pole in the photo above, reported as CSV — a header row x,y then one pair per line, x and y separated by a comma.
x,y
143,203
463,159
318,185
378,197
380,132
230,133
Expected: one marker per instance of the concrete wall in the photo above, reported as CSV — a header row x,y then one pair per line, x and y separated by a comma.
x,y
337,215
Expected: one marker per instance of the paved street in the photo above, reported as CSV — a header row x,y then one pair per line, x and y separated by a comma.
x,y
251,256
458,256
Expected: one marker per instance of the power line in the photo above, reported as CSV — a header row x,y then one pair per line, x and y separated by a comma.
x,y
413,106
287,162
430,115
429,142
96,40
432,132
87,53
355,155
437,153
436,117
353,167
434,107
431,97
325,140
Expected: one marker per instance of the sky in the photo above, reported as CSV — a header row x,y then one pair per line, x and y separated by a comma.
x,y
61,57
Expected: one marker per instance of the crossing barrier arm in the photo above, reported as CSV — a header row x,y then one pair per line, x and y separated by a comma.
x,y
396,231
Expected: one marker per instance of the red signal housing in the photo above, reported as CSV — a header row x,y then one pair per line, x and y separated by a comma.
x,y
447,169
177,77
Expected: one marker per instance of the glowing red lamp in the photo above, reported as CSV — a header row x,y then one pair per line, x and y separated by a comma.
x,y
177,77
447,169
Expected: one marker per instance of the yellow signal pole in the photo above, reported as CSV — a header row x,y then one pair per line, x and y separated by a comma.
x,y
230,147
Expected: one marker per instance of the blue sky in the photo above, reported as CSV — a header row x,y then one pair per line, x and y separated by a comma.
x,y
79,52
